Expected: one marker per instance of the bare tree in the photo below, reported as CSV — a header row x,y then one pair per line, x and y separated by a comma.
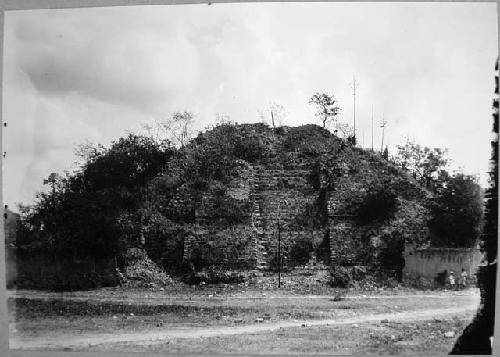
x,y
155,131
177,129
345,129
275,113
180,127
222,119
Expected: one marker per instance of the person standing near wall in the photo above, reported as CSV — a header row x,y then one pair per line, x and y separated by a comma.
x,y
463,279
451,280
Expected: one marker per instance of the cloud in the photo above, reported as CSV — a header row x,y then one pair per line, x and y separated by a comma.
x,y
95,73
115,59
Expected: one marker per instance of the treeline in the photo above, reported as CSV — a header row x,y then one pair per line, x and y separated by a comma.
x,y
458,203
82,213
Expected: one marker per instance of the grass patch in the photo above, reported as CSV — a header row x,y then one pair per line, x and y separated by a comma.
x,y
33,308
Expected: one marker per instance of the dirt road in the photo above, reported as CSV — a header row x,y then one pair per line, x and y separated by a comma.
x,y
75,341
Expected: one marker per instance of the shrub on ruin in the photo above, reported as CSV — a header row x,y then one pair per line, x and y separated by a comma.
x,y
300,253
78,216
391,254
140,271
310,140
218,275
252,143
322,250
340,277
214,154
232,210
379,204
274,263
314,176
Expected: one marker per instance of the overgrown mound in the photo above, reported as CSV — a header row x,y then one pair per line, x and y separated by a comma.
x,y
308,140
225,200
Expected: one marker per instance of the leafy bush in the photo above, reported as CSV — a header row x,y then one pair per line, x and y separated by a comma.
x,y
378,205
323,249
274,265
310,140
218,275
78,217
457,212
300,252
314,177
213,155
391,256
140,271
252,145
231,210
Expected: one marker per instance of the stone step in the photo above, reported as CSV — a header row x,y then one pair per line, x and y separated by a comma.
x,y
279,171
279,178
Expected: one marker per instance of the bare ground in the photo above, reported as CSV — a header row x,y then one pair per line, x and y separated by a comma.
x,y
151,337
227,322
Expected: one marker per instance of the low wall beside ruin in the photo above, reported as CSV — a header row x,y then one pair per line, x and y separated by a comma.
x,y
427,263
38,272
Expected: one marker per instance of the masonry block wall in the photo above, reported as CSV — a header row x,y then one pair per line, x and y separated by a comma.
x,y
37,272
272,198
273,202
280,198
352,243
229,247
428,262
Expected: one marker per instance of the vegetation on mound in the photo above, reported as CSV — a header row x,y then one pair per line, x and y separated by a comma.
x,y
140,271
141,191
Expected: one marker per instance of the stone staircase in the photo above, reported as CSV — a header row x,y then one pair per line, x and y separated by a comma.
x,y
268,187
259,251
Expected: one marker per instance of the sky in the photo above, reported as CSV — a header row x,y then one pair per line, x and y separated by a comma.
x,y
94,74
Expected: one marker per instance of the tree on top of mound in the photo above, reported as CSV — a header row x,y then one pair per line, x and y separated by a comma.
x,y
326,107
